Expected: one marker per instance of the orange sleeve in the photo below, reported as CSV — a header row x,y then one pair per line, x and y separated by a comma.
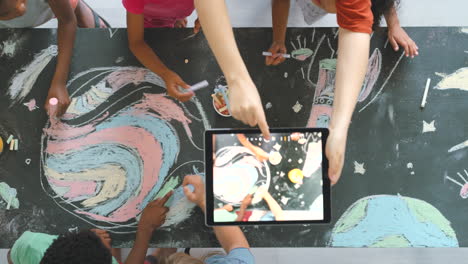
x,y
355,15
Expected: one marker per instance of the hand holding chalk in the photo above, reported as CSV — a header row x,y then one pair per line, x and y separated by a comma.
x,y
53,108
194,190
268,54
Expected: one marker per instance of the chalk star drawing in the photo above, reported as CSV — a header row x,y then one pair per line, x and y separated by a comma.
x,y
429,127
359,168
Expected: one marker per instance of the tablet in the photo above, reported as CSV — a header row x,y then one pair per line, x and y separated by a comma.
x,y
254,181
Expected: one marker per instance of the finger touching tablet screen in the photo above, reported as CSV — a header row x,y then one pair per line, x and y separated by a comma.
x,y
253,181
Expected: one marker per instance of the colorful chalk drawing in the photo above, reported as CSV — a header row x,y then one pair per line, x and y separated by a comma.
x,y
325,88
106,160
236,171
463,185
456,80
392,221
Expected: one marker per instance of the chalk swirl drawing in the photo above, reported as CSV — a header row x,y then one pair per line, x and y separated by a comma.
x,y
114,149
392,221
236,172
456,80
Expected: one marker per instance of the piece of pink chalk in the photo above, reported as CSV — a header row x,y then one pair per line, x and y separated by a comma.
x,y
53,101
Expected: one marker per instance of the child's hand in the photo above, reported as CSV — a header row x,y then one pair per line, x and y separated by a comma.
x,y
246,105
247,201
104,236
154,214
398,36
275,49
173,82
197,26
335,151
61,93
198,195
181,23
260,154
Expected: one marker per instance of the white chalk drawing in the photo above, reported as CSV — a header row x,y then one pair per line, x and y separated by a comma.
x,y
112,31
297,107
463,184
268,105
459,146
23,81
8,48
456,80
359,168
429,127
410,167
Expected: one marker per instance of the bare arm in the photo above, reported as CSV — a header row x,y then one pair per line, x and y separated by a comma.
x,y
147,57
279,16
245,105
66,32
274,206
353,53
230,237
398,36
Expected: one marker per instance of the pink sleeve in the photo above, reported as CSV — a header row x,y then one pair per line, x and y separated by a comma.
x,y
134,6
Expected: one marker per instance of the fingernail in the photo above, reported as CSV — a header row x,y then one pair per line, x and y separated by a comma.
x,y
417,53
396,49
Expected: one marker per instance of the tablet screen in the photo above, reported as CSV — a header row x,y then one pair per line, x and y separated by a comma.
x,y
255,180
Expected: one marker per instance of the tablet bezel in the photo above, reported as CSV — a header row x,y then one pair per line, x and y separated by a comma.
x,y
209,215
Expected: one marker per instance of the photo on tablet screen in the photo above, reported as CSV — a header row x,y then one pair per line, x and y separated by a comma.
x,y
258,180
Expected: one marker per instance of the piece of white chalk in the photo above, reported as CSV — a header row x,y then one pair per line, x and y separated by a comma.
x,y
53,101
10,138
16,144
12,145
198,86
266,53
428,83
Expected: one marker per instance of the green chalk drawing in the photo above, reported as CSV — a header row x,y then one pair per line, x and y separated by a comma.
x,y
167,187
328,64
392,241
6,193
425,212
354,215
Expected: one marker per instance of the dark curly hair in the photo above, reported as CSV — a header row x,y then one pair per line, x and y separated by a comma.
x,y
380,8
84,247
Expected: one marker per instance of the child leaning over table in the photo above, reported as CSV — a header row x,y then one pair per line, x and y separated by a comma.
x,y
143,14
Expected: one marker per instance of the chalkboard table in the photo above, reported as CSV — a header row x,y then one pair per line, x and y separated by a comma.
x,y
123,142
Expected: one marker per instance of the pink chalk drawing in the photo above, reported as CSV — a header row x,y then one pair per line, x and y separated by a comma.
x,y
117,146
463,184
324,95
31,105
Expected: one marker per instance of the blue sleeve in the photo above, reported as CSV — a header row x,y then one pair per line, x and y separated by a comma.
x,y
236,256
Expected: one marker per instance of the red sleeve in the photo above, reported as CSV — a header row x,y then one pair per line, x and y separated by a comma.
x,y
134,6
355,15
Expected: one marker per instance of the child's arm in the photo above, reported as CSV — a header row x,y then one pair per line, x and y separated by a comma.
x,y
153,217
279,15
398,36
66,38
245,102
274,206
147,57
260,154
230,237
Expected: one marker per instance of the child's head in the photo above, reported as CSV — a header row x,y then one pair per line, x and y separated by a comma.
x,y
84,247
380,8
10,9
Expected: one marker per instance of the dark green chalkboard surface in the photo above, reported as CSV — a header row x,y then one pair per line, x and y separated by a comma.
x,y
123,142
